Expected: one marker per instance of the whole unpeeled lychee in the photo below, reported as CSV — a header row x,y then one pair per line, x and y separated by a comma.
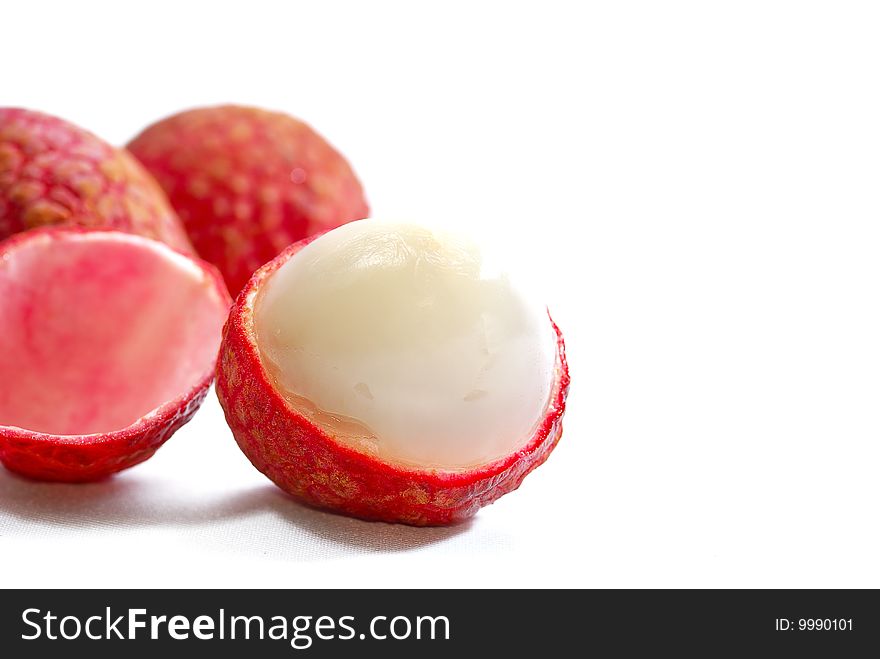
x,y
248,182
392,372
52,172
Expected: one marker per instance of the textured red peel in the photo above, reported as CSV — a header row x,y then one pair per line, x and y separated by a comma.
x,y
302,459
109,348
248,182
79,459
52,172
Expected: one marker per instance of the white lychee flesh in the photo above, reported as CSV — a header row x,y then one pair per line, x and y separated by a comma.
x,y
411,344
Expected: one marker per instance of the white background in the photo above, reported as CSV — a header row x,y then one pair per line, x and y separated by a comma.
x,y
699,185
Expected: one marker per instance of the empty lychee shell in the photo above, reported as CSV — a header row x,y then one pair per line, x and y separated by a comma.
x,y
392,372
108,346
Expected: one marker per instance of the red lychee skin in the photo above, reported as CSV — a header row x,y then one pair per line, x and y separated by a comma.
x,y
248,182
81,459
85,458
303,460
52,172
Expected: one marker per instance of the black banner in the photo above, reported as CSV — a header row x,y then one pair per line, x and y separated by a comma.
x,y
406,623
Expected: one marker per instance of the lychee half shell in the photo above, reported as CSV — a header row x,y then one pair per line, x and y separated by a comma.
x,y
392,372
55,173
108,346
248,182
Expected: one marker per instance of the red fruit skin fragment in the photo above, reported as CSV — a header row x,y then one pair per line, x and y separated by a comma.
x,y
304,461
248,182
55,173
92,457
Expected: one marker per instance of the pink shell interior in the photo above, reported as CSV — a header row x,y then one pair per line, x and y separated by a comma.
x,y
99,329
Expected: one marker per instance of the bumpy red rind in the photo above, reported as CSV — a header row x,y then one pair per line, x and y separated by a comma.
x,y
248,182
303,460
55,173
72,459
85,458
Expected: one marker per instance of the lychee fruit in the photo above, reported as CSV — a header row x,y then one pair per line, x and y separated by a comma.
x,y
52,172
108,346
248,182
392,372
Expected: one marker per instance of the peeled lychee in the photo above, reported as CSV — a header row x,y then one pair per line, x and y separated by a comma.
x,y
248,182
108,346
392,372
52,172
